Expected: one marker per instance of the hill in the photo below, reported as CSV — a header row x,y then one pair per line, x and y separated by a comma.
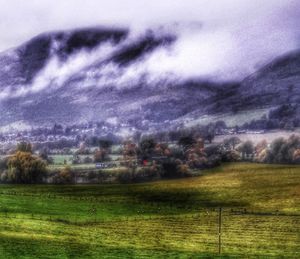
x,y
106,74
275,84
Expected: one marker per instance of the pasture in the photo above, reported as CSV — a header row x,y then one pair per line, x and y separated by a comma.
x,y
166,219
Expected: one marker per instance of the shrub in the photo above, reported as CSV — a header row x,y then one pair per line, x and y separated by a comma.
x,y
184,170
169,169
214,160
230,156
87,160
3,163
173,169
213,150
64,176
4,177
127,176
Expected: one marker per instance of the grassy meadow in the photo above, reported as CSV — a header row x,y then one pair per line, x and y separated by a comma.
x,y
165,219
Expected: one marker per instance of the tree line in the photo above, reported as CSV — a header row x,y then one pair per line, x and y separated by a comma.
x,y
151,159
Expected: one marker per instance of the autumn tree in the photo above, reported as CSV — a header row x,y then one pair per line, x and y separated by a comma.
x,y
129,153
296,156
195,155
64,176
26,168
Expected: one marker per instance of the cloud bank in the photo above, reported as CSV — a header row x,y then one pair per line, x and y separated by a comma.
x,y
216,39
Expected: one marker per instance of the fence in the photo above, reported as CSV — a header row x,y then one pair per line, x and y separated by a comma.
x,y
214,230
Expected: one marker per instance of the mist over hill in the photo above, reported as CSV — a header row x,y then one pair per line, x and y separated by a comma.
x,y
132,78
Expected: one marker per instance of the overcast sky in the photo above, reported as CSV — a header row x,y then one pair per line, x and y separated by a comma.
x,y
225,39
23,19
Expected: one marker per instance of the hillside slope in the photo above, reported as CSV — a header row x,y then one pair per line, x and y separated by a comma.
x,y
275,84
98,74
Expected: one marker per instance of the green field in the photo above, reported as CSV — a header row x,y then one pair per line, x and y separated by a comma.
x,y
166,219
59,162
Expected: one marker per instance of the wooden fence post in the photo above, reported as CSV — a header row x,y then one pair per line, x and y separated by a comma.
x,y
220,229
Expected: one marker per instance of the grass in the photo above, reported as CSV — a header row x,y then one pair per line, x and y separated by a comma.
x,y
61,161
165,219
73,166
231,119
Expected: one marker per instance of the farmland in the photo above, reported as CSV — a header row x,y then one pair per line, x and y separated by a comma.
x,y
61,161
256,138
175,218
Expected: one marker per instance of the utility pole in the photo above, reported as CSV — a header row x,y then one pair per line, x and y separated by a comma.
x,y
220,229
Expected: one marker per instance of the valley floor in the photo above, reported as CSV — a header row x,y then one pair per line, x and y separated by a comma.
x,y
167,219
258,137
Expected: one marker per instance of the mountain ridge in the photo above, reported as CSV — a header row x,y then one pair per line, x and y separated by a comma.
x,y
100,74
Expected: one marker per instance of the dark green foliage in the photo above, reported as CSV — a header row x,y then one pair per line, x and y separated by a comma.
x,y
186,142
105,144
146,148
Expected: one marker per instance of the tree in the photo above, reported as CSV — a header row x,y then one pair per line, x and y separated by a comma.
x,y
283,111
220,125
283,151
137,136
105,144
26,168
162,149
57,129
230,156
231,143
44,155
24,147
100,155
87,160
247,149
213,150
261,151
129,154
275,153
262,145
186,142
296,156
64,176
210,133
196,156
146,148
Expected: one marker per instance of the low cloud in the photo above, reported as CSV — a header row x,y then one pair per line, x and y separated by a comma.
x,y
216,39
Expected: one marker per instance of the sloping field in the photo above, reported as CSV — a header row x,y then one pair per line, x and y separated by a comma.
x,y
168,219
